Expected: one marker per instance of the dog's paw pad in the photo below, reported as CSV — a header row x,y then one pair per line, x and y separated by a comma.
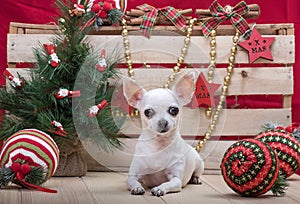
x,y
195,180
137,191
157,192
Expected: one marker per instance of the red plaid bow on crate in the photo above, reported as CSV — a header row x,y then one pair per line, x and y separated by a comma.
x,y
220,14
151,14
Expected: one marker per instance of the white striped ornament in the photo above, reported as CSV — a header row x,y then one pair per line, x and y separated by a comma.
x,y
34,146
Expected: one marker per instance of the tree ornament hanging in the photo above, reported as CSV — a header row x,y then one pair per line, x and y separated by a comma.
x,y
94,110
251,168
59,130
258,46
16,82
63,93
101,64
53,58
28,158
285,145
204,93
78,10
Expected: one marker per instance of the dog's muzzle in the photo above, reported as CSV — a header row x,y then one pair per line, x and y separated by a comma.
x,y
163,126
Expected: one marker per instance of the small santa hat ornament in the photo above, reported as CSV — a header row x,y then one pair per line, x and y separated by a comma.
x,y
28,158
251,168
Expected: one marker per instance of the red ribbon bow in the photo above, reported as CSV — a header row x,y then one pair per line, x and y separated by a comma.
x,y
169,12
220,14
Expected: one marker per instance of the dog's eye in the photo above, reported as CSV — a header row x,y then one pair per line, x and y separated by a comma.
x,y
173,111
149,113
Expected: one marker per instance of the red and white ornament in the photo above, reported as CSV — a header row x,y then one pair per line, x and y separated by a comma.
x,y
63,93
16,82
94,110
24,152
53,58
59,128
78,10
101,65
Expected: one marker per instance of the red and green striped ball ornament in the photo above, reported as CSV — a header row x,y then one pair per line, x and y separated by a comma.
x,y
282,141
28,158
251,168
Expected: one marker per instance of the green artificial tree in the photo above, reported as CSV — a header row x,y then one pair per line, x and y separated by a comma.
x,y
35,103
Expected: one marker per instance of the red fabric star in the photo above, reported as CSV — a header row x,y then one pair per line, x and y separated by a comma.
x,y
204,93
258,46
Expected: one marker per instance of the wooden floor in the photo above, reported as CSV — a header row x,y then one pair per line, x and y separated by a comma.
x,y
110,188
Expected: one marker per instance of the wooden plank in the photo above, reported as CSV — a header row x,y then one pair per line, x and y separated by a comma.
x,y
112,188
218,184
264,29
70,190
195,122
279,80
153,51
10,195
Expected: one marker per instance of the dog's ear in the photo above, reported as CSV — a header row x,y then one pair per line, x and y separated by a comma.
x,y
185,87
133,92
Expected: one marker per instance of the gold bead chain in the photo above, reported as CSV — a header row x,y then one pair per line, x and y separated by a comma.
x,y
227,78
212,65
180,59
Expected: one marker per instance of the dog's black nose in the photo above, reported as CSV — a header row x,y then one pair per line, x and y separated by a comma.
x,y
163,124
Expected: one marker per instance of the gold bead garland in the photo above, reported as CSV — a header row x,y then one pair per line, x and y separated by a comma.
x,y
180,59
227,78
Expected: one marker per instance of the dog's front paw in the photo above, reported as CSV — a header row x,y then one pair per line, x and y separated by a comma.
x,y
157,192
138,191
195,180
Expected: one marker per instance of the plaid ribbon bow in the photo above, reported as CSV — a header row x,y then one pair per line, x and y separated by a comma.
x,y
220,14
169,12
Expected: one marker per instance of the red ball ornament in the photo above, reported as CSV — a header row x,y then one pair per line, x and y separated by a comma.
x,y
287,148
15,167
250,167
103,14
25,169
96,8
107,6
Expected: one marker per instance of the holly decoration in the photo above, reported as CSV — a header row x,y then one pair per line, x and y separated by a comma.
x,y
251,168
105,10
28,158
285,145
258,46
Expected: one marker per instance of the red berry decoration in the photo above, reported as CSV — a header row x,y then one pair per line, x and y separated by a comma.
x,y
107,6
15,167
96,8
287,148
25,169
251,168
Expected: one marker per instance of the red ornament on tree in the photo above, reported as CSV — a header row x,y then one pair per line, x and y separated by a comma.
x,y
53,58
101,65
16,82
204,93
94,110
258,46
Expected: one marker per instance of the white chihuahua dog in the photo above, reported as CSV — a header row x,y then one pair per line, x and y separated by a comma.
x,y
162,160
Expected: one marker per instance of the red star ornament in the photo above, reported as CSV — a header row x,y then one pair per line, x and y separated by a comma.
x,y
258,46
204,93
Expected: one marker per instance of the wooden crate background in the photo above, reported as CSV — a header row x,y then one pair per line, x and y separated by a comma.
x,y
164,47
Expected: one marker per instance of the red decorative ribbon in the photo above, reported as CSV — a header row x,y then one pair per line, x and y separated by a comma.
x,y
20,179
169,12
220,14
